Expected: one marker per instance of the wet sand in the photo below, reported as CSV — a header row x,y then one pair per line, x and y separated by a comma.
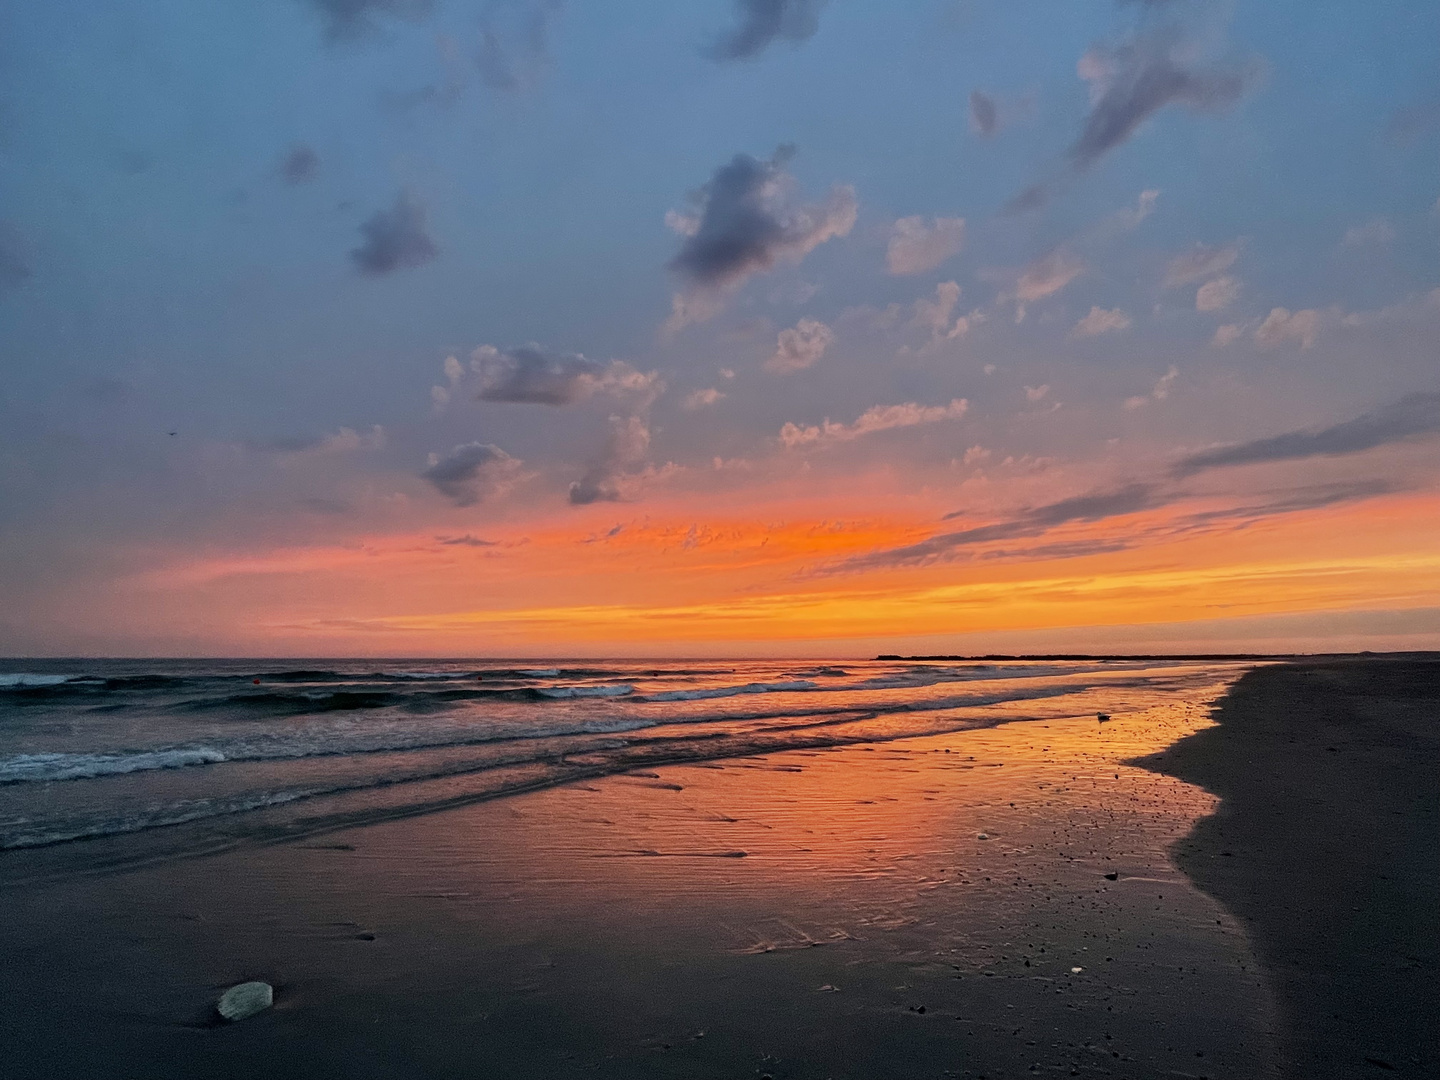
x,y
991,903
1327,847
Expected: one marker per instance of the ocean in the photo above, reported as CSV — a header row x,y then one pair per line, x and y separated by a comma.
x,y
194,755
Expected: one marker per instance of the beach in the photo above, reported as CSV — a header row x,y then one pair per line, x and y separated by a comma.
x,y
1037,895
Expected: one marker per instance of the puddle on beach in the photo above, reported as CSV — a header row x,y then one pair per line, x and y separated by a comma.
x,y
996,902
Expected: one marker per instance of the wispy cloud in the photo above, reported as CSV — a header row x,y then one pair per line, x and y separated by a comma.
x,y
530,375
877,418
395,239
1412,416
356,18
14,265
1200,262
1376,232
1131,82
760,23
745,221
514,37
300,165
984,114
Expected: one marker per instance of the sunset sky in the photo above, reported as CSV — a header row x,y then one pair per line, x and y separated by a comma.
x,y
719,327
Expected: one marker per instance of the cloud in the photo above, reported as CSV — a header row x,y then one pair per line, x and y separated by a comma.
x,y
514,43
344,441
1159,392
1283,325
1200,262
1227,335
984,114
14,266
1100,321
1411,121
935,314
1047,275
1217,294
356,18
916,247
395,239
530,375
799,347
626,447
466,541
1133,81
1036,393
472,472
744,222
877,418
762,22
1376,231
1411,416
701,399
300,165
1033,522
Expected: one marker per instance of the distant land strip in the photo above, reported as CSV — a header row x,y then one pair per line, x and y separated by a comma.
x,y
1148,656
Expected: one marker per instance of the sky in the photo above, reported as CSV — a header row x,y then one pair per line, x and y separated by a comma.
x,y
718,327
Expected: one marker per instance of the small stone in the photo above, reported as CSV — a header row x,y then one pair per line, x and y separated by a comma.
x,y
244,1000
1112,877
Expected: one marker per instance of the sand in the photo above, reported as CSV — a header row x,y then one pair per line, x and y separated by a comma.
x,y
1327,846
992,903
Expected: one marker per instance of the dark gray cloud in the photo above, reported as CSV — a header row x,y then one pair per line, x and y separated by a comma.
x,y
1098,506
14,265
762,22
466,541
356,18
300,165
395,239
514,42
984,115
471,472
1133,81
529,374
1411,416
1033,522
744,223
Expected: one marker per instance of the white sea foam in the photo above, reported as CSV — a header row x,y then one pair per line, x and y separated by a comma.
x,y
618,690
539,673
24,680
732,691
34,767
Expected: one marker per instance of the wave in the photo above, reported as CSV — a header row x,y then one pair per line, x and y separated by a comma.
x,y
732,691
26,681
43,767
617,690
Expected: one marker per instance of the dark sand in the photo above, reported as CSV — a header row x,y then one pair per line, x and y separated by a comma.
x,y
1327,847
808,914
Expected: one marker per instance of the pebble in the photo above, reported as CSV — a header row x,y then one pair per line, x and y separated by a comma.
x,y
246,999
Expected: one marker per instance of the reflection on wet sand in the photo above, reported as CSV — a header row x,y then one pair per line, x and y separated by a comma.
x,y
975,903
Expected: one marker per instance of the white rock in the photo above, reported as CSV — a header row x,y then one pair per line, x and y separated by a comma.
x,y
244,1000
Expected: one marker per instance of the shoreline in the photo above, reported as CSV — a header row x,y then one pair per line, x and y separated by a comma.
x,y
1326,846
